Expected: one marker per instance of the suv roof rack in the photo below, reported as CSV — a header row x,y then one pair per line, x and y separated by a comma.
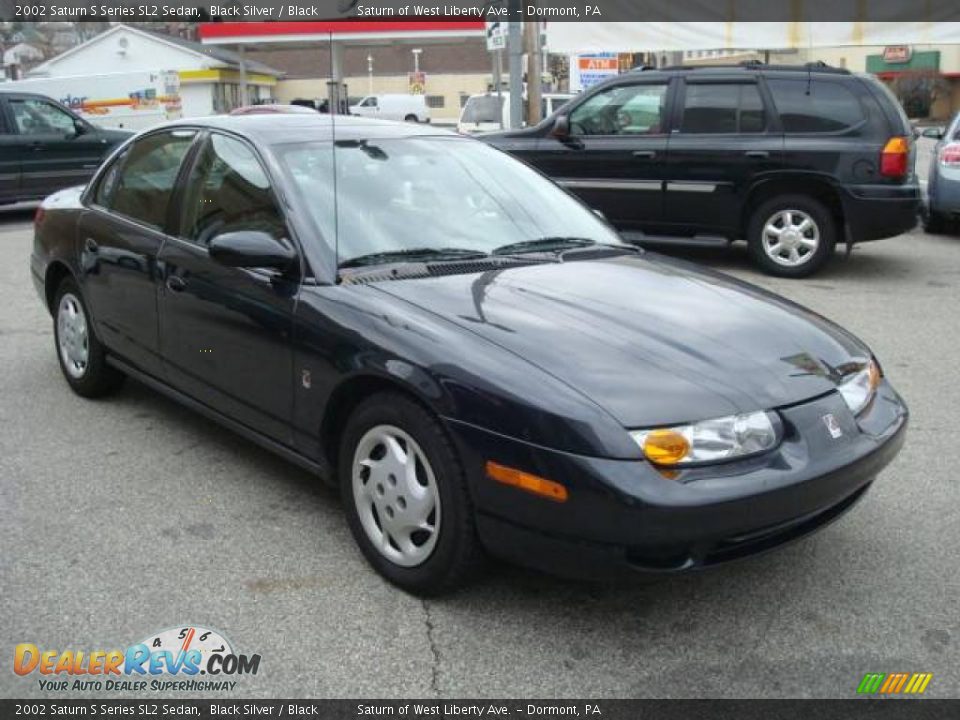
x,y
816,66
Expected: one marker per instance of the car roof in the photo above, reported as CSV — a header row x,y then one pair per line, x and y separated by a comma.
x,y
281,128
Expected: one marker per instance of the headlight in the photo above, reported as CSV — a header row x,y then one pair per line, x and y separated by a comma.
x,y
858,387
725,438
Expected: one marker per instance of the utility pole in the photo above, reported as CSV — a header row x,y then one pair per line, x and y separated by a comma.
x,y
531,41
515,49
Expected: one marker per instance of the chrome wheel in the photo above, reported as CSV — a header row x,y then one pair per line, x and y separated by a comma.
x,y
73,336
790,237
396,495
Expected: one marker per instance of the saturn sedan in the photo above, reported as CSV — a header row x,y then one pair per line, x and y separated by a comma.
x,y
466,350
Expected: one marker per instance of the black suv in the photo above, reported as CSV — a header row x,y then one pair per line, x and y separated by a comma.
x,y
44,147
794,159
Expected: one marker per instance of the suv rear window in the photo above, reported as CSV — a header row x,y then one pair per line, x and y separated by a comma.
x,y
815,106
722,108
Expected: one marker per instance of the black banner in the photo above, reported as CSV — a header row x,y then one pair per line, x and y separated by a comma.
x,y
489,709
503,10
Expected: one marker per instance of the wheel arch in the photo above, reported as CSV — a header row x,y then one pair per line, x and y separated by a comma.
x,y
55,274
819,188
354,390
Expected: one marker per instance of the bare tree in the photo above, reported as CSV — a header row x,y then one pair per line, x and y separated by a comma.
x,y
918,90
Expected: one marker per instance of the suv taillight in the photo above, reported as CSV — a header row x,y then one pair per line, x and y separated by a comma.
x,y
950,155
38,216
895,157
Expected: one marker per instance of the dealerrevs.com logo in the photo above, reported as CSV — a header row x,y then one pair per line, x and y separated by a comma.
x,y
179,659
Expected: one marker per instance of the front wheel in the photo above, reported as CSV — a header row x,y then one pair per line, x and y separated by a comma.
x,y
82,357
792,235
411,118
405,495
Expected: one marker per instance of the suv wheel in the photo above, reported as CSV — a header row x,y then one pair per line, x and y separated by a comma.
x,y
791,235
405,495
83,359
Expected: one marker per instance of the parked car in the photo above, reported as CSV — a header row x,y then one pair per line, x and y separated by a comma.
x,y
273,109
409,108
794,159
943,185
45,147
489,111
471,353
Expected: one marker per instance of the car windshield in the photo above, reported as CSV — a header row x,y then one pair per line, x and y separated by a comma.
x,y
431,197
483,109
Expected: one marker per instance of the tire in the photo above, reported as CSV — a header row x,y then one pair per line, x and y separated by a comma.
x,y
411,118
933,222
813,246
420,562
81,356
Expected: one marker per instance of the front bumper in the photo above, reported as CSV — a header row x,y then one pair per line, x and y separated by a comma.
x,y
626,514
880,211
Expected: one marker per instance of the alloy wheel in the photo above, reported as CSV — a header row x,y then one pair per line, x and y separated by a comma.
x,y
790,237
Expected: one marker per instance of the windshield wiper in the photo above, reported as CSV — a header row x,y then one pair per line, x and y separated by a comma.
x,y
555,244
413,255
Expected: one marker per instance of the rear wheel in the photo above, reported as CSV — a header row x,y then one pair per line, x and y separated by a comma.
x,y
792,235
82,357
933,222
405,495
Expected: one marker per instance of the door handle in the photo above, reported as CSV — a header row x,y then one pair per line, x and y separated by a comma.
x,y
759,154
90,245
175,283
645,154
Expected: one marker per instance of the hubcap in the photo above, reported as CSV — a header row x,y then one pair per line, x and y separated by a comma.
x,y
72,336
395,492
790,238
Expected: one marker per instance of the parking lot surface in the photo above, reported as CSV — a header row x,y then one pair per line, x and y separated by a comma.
x,y
126,516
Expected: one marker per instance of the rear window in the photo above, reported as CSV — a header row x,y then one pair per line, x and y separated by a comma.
x,y
483,109
815,106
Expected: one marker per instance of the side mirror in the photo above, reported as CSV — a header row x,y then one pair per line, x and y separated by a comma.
x,y
561,127
933,132
252,249
79,128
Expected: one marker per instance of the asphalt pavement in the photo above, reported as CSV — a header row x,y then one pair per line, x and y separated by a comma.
x,y
125,516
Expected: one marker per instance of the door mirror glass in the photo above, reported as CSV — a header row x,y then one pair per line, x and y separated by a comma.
x,y
561,127
252,249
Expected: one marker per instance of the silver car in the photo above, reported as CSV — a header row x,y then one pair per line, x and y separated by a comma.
x,y
943,189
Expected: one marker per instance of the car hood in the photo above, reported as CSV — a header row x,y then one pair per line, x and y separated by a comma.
x,y
650,340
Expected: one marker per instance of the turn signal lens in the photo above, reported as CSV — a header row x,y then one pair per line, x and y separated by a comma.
x,y
665,447
894,158
724,438
525,481
859,387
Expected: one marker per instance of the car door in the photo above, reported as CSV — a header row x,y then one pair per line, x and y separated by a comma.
x,y
614,154
226,331
9,157
724,139
120,236
58,149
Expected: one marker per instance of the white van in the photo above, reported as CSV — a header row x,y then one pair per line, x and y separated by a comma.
x,y
410,108
481,112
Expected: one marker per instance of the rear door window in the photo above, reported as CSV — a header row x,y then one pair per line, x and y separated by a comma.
x,y
815,106
145,183
723,108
